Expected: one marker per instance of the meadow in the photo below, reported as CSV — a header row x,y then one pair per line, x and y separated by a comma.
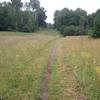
x,y
75,71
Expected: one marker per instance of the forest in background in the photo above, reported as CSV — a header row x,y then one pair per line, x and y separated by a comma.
x,y
17,16
77,22
30,16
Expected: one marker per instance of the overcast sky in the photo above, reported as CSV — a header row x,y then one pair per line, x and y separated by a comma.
x,y
52,5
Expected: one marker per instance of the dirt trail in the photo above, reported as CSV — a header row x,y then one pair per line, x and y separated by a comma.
x,y
71,88
45,95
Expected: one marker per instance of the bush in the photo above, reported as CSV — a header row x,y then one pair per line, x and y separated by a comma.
x,y
72,30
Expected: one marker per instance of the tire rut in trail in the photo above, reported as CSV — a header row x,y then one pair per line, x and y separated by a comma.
x,y
73,90
45,94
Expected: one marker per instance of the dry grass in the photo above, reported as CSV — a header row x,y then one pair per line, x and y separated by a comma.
x,y
76,72
84,57
23,61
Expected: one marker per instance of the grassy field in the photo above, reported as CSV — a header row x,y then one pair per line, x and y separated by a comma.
x,y
75,72
41,31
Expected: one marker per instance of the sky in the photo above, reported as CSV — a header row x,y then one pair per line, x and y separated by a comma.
x,y
52,5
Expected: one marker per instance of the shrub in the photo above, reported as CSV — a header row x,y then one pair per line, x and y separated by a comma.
x,y
72,30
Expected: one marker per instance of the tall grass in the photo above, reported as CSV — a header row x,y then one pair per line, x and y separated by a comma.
x,y
83,54
23,60
76,70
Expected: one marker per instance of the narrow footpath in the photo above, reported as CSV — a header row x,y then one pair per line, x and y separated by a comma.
x,y
45,95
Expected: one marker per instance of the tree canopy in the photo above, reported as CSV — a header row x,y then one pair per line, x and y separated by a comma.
x,y
28,17
17,4
77,22
14,16
66,18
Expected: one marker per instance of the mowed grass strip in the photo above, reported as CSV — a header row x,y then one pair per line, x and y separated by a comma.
x,y
22,64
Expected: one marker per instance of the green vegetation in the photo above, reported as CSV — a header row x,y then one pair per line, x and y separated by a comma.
x,y
83,57
41,31
47,31
72,30
29,69
14,18
30,16
76,70
77,22
70,22
23,60
96,32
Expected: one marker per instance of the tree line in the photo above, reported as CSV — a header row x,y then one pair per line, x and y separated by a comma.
x,y
23,17
29,16
77,22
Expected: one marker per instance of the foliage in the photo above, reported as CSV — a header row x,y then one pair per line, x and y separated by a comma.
x,y
77,22
35,4
39,12
72,30
26,23
41,17
91,20
96,32
17,4
67,19
12,17
70,22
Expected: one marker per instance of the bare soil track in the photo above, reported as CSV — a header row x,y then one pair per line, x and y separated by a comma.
x,y
48,74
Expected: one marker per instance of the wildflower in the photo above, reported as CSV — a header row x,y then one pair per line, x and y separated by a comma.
x,y
17,56
98,69
86,55
76,67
